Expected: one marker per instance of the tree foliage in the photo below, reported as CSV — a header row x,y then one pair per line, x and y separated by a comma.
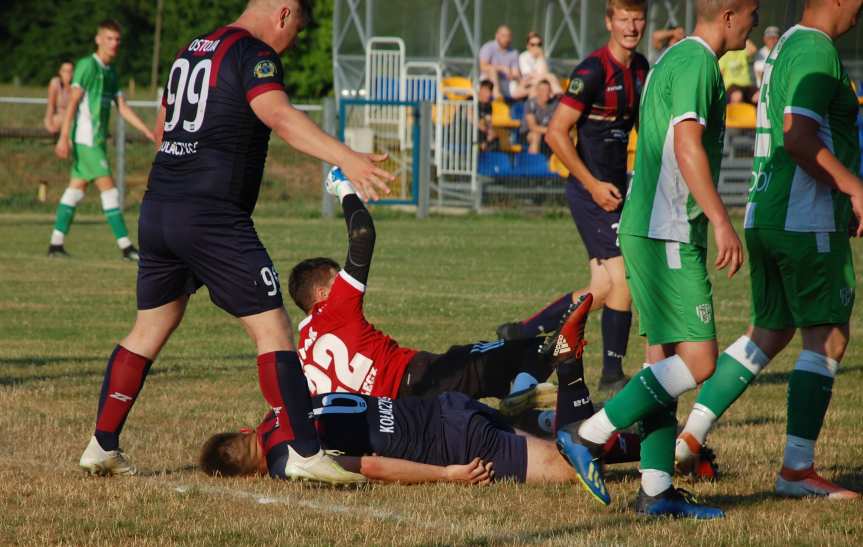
x,y
39,34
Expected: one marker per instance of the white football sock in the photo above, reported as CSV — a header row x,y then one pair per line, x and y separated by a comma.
x,y
654,482
700,420
124,242
57,237
597,429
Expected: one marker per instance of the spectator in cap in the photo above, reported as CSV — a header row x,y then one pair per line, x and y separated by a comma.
x,y
771,36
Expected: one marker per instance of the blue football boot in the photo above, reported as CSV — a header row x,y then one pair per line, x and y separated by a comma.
x,y
675,502
583,456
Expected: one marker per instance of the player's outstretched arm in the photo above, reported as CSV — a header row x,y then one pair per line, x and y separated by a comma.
x,y
63,144
295,128
808,151
361,228
695,168
379,468
130,116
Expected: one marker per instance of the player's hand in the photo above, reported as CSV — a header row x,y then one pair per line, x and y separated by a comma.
x,y
369,181
857,208
62,148
606,195
150,136
476,472
729,249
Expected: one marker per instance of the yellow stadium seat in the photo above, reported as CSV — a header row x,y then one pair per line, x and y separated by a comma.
x,y
457,88
500,116
555,165
630,150
740,116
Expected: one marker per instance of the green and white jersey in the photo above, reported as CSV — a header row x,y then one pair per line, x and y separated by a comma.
x,y
684,84
100,85
802,76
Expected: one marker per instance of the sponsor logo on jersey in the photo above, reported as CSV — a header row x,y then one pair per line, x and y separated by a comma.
x,y
201,46
386,420
265,69
576,86
178,149
617,87
705,312
846,296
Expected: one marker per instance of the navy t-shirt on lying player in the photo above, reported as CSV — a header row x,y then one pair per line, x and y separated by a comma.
x,y
214,147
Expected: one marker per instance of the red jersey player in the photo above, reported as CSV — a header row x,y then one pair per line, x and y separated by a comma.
x,y
341,351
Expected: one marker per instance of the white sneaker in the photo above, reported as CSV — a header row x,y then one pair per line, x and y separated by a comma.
x,y
319,467
104,463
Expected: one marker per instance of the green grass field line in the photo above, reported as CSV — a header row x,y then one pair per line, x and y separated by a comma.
x,y
434,283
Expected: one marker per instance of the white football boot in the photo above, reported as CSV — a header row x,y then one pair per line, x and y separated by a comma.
x,y
105,463
319,467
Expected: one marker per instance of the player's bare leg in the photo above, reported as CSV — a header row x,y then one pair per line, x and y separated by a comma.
x,y
124,377
72,196
286,390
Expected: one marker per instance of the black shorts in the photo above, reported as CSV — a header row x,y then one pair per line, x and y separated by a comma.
x,y
472,429
184,246
597,227
484,369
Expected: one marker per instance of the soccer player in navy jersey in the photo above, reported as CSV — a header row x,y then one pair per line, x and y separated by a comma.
x,y
450,437
224,95
602,103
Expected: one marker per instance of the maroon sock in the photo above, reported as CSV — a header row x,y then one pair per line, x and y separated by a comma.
x,y
124,377
286,390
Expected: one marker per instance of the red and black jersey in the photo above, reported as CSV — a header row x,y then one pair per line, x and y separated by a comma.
x,y
607,94
214,146
341,351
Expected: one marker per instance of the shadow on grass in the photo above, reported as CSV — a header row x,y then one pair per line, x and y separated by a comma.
x,y
531,537
750,421
42,361
772,378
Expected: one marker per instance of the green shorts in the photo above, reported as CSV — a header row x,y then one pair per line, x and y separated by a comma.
x,y
670,289
89,162
800,279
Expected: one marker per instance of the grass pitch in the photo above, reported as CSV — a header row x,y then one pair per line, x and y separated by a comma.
x,y
434,283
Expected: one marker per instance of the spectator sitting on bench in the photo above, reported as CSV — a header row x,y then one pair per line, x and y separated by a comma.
x,y
486,135
498,63
534,68
537,114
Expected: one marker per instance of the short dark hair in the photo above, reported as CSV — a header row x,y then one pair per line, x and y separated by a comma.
x,y
307,275
110,24
486,83
222,454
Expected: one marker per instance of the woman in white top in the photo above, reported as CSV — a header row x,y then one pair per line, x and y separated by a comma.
x,y
58,97
534,68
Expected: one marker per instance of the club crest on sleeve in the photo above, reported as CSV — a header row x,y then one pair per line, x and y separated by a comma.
x,y
576,86
265,69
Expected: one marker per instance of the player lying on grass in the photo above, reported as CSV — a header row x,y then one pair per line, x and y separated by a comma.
x,y
450,437
341,351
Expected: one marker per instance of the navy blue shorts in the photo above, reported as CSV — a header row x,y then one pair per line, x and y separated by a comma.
x,y
597,227
472,429
184,246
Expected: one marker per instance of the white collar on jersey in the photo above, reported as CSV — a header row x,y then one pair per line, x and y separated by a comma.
x,y
700,41
813,29
98,60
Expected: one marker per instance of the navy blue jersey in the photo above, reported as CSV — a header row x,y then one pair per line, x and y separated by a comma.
x,y
607,95
214,146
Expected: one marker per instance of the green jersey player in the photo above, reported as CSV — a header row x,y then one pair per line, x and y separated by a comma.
x,y
804,190
94,87
663,236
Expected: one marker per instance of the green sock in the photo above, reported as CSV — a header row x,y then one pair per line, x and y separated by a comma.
x,y
116,222
642,395
63,221
658,434
808,398
727,384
